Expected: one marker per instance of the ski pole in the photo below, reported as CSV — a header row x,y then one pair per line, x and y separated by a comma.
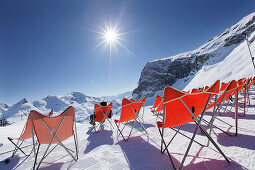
x,y
252,58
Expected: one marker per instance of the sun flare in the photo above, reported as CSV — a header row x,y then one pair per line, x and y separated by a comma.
x,y
110,36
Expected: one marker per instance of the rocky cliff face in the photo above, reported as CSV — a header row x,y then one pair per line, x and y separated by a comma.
x,y
158,74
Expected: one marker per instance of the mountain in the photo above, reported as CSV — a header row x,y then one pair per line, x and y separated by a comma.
x,y
83,104
180,70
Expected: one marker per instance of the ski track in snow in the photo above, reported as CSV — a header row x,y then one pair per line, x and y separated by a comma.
x,y
104,151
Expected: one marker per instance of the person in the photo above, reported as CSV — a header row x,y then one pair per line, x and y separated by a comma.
x,y
93,117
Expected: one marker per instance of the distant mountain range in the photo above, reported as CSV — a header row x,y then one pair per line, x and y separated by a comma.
x,y
83,104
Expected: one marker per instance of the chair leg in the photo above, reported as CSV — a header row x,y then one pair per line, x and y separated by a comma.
x,y
17,147
76,139
236,111
110,123
172,138
163,143
76,146
214,143
95,128
191,141
120,133
213,117
35,162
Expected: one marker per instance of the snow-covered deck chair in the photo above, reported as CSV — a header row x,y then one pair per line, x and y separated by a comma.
x,y
26,133
181,108
129,115
102,113
230,90
55,130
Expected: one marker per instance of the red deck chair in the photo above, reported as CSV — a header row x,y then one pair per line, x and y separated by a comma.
x,y
202,89
102,113
55,130
26,133
206,87
249,83
194,90
141,105
224,86
51,113
181,108
242,89
129,114
231,90
230,103
158,109
137,106
156,104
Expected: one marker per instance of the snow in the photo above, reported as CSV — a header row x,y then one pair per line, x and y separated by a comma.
x,y
190,69
236,65
103,150
84,105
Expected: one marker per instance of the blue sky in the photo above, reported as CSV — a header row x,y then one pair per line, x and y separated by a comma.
x,y
46,45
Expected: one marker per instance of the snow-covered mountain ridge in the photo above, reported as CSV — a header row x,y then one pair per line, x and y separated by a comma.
x,y
179,70
83,104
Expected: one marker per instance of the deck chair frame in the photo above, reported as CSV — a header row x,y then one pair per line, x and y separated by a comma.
x,y
216,112
97,127
54,136
20,141
126,124
198,122
140,115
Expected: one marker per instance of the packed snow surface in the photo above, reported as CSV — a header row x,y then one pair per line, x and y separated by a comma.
x,y
236,65
103,150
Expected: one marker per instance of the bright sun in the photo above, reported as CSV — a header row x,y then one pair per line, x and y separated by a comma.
x,y
110,36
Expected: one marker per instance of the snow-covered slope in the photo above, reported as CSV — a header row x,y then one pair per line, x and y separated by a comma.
x,y
236,65
83,104
179,70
